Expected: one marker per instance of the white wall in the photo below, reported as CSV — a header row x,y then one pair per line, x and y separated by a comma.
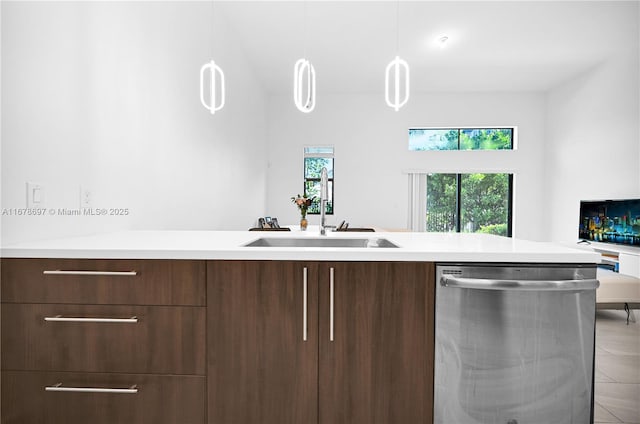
x,y
371,141
593,133
106,95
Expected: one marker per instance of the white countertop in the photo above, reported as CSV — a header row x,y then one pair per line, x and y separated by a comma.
x,y
436,247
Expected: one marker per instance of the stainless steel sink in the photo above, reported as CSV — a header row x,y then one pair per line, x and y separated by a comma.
x,y
372,242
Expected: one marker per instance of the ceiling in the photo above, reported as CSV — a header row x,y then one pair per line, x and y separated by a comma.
x,y
493,45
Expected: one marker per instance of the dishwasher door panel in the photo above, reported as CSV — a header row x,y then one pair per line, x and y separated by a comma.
x,y
513,356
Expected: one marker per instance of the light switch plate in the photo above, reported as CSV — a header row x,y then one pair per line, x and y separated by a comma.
x,y
35,195
86,198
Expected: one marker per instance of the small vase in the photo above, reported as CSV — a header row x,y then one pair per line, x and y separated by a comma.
x,y
303,224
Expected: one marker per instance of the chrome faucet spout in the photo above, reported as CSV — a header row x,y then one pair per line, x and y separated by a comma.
x,y
324,178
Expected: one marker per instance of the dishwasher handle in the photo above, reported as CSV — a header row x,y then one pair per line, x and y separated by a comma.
x,y
518,285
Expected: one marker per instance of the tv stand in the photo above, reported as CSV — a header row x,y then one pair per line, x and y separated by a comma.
x,y
622,259
620,281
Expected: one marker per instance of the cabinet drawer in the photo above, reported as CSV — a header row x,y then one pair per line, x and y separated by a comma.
x,y
104,281
99,338
154,399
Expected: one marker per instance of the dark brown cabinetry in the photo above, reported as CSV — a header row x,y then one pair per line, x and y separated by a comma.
x,y
366,355
377,366
261,370
104,281
222,342
39,340
158,399
103,341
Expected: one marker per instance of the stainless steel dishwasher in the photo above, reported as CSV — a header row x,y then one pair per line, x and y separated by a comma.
x,y
514,344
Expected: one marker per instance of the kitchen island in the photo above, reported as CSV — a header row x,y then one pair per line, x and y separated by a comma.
x,y
194,327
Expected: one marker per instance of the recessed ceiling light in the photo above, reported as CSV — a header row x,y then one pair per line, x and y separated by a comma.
x,y
442,41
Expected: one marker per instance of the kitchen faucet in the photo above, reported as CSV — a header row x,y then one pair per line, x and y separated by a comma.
x,y
323,200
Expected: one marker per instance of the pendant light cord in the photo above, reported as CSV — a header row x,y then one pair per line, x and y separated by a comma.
x,y
213,35
304,30
397,27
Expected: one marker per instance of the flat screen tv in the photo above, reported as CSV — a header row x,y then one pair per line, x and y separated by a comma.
x,y
610,221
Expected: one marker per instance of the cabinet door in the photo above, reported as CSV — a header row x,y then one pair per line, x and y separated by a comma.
x,y
376,365
260,368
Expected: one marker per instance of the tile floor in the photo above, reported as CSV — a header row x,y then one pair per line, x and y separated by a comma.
x,y
617,379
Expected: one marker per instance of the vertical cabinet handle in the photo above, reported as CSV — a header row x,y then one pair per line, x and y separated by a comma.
x,y
331,302
304,304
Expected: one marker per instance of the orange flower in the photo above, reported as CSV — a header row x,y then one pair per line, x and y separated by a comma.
x,y
302,203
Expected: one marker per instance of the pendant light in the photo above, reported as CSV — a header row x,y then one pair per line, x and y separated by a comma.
x,y
304,85
213,73
397,70
304,78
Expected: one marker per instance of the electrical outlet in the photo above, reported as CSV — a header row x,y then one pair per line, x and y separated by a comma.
x,y
86,198
35,195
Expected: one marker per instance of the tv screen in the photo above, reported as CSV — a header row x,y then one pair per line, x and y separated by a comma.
x,y
610,221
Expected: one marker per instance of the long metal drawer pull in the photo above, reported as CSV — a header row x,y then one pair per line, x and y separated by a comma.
x,y
59,388
304,304
97,273
519,285
60,318
331,302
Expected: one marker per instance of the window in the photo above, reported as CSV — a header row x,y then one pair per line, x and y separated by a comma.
x,y
469,203
316,158
461,139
